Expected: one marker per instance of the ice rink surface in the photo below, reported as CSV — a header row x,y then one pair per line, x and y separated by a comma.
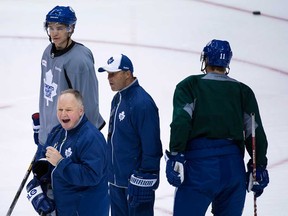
x,y
164,39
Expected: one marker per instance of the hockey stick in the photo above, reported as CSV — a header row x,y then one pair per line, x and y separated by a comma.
x,y
254,158
21,187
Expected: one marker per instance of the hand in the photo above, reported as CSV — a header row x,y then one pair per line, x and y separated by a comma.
x,y
40,201
141,188
53,155
36,127
175,168
262,179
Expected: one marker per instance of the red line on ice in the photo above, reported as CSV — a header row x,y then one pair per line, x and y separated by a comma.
x,y
171,49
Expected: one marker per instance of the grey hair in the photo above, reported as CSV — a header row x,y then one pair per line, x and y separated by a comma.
x,y
76,94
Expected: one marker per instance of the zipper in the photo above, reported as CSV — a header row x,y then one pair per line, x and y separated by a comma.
x,y
112,135
56,146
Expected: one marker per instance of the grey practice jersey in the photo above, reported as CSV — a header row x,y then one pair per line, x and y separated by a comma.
x,y
78,63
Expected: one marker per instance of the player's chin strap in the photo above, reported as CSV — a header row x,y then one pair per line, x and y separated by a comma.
x,y
50,39
203,67
227,70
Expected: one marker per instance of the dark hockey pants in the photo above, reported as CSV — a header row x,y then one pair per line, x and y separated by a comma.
x,y
218,179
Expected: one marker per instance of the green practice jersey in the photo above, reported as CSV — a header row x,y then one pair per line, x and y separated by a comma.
x,y
218,107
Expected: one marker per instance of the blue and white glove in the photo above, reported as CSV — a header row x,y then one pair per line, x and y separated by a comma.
x,y
141,188
41,203
36,127
175,168
262,179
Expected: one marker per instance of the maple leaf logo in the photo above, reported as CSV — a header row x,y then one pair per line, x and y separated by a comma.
x,y
68,152
121,116
49,87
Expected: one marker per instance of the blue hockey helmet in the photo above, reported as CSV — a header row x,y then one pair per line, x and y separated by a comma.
x,y
61,14
217,53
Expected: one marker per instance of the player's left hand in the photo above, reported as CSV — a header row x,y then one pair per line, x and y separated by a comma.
x,y
175,168
262,179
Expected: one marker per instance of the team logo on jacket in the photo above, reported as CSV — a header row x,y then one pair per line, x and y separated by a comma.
x,y
121,115
68,152
49,87
44,62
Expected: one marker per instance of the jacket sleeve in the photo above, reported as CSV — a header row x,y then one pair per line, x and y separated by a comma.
x,y
146,122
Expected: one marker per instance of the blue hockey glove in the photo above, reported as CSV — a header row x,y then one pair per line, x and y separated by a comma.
x,y
175,168
40,201
262,179
141,188
36,127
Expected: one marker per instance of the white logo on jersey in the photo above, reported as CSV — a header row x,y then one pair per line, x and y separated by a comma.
x,y
121,115
44,62
68,152
49,87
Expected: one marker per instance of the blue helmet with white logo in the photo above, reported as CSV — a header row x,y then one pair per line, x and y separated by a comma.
x,y
217,53
61,14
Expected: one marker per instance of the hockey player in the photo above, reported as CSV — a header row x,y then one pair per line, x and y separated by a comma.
x,y
205,162
134,145
75,161
65,64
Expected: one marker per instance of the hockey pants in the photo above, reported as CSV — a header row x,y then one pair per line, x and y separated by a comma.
x,y
217,180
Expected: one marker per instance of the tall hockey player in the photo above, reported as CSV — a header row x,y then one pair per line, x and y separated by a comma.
x,y
207,145
134,145
65,64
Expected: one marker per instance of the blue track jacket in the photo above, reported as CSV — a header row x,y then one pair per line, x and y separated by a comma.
x,y
79,181
134,135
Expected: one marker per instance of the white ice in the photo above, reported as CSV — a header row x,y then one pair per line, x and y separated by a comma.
x,y
164,39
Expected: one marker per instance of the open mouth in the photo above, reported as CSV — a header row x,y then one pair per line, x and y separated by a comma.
x,y
65,120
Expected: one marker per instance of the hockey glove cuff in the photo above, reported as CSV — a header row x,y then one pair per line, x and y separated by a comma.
x,y
40,201
141,188
175,168
262,179
36,127
41,170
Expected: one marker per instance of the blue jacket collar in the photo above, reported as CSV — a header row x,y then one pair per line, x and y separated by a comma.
x,y
132,85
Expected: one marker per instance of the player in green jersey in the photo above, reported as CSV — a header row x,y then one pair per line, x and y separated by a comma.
x,y
210,129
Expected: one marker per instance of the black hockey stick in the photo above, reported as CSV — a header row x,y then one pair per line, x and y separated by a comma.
x,y
21,187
